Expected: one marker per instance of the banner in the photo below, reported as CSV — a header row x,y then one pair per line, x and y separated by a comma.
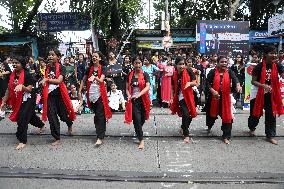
x,y
248,77
282,90
222,37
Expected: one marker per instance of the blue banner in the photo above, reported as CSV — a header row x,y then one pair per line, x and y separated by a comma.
x,y
54,22
202,46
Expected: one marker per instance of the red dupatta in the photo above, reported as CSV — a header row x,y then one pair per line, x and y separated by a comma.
x,y
276,98
187,95
145,98
16,98
64,95
226,98
103,91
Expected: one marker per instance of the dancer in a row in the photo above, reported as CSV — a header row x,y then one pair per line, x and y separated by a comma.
x,y
56,100
138,104
219,82
97,94
22,97
266,94
182,102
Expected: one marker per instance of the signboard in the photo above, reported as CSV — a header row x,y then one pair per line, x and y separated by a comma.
x,y
182,32
150,44
222,37
54,22
261,36
276,25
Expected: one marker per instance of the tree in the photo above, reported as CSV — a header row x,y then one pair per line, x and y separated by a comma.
x,y
110,17
22,13
185,13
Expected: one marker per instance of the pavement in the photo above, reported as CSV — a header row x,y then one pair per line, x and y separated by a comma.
x,y
166,161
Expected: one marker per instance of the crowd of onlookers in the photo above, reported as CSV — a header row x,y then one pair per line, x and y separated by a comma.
x,y
159,65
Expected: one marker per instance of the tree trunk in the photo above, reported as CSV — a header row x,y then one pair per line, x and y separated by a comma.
x,y
182,8
31,16
233,7
115,21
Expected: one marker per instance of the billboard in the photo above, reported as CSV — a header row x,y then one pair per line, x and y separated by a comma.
x,y
55,22
215,36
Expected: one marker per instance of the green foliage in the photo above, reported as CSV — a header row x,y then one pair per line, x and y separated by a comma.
x,y
18,11
110,17
185,13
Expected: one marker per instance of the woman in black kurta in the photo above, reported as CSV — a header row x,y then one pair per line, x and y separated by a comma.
x,y
22,97
219,81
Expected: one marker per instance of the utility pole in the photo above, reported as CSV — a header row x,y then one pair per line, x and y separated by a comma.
x,y
149,14
167,25
94,35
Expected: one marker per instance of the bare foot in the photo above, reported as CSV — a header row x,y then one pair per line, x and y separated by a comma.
x,y
41,130
70,131
226,141
272,141
20,146
252,134
99,142
56,143
186,140
141,145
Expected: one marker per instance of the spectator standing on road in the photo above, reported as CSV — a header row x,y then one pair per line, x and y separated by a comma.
x,y
152,70
22,97
70,78
268,94
56,100
127,67
166,81
97,95
80,68
239,69
114,72
182,101
138,104
4,78
219,82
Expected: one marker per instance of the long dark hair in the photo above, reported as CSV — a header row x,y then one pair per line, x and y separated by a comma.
x,y
103,61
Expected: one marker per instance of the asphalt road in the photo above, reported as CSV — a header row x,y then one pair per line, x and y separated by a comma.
x,y
166,161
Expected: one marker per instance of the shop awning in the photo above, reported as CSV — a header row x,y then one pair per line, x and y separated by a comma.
x,y
14,43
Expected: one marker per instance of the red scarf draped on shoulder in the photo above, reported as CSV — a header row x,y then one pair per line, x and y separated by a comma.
x,y
64,95
226,98
187,95
16,98
276,98
145,98
103,91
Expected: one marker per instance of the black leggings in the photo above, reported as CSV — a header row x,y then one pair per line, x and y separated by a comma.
x,y
139,117
56,107
186,119
210,121
99,118
27,115
270,120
